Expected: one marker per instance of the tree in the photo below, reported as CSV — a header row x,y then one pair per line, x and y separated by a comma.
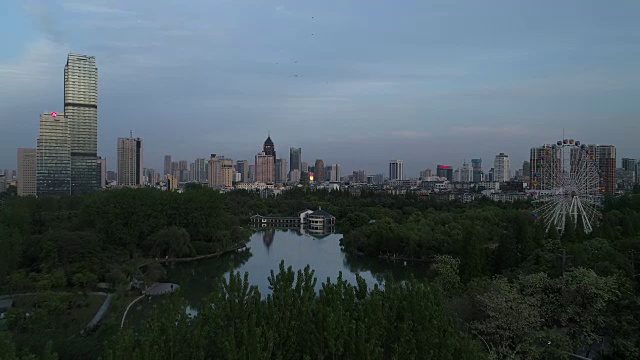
x,y
172,242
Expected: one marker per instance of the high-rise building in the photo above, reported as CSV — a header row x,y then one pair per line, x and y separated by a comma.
x,y
269,148
192,172
130,168
466,173
396,170
526,171
445,171
332,173
476,168
360,176
295,159
183,165
102,172
218,171
536,162
265,169
631,165
294,176
318,175
242,166
27,171
111,176
167,165
172,183
304,167
282,168
491,177
81,111
426,173
605,158
201,171
153,177
251,173
53,156
502,168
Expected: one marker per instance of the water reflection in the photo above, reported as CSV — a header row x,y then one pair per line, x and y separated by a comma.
x,y
298,248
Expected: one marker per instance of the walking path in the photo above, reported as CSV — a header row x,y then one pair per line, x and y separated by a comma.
x,y
155,290
99,315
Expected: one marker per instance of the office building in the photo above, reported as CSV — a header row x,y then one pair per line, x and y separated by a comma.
x,y
102,172
318,171
130,168
445,171
242,166
81,111
219,173
295,159
265,168
192,172
183,165
53,156
605,158
332,173
526,171
466,173
167,165
304,167
426,173
282,169
294,176
201,174
502,168
252,173
631,165
152,177
270,149
536,163
172,183
27,171
360,176
396,170
476,168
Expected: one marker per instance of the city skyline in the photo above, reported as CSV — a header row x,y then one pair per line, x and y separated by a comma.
x,y
453,95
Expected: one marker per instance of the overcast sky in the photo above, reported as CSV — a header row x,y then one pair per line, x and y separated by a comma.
x,y
352,82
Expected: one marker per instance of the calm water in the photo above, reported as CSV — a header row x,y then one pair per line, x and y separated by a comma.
x,y
267,248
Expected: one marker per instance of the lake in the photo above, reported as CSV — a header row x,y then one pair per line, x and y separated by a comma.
x,y
298,248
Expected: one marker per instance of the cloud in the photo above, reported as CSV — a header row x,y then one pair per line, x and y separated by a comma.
x,y
486,130
37,69
93,9
408,134
45,18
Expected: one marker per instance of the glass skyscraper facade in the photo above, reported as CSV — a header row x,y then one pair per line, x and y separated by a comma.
x,y
81,110
53,160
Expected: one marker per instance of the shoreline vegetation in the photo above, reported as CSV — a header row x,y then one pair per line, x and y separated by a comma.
x,y
500,275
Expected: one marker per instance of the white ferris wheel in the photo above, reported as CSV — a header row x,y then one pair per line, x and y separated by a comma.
x,y
566,186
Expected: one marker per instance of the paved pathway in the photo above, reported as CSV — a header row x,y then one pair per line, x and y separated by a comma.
x,y
155,290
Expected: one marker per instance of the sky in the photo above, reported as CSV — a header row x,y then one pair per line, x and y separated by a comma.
x,y
351,82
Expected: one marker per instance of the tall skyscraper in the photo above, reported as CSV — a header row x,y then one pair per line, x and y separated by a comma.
x,y
605,158
476,168
282,168
360,176
53,156
219,174
333,173
201,171
265,169
192,172
526,171
130,167
27,172
445,171
304,167
81,111
183,165
242,166
536,162
167,165
466,173
631,165
294,176
396,170
269,148
318,175
502,168
295,159
252,173
102,172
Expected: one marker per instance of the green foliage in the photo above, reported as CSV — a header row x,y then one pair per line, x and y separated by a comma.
x,y
342,321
